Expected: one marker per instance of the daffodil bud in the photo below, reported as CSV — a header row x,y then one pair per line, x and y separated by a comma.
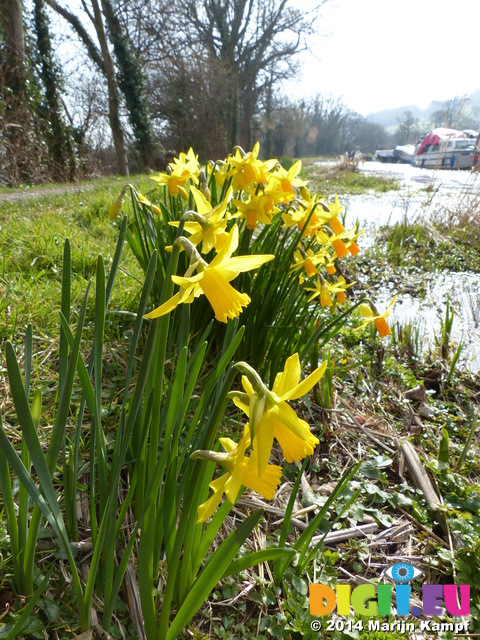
x,y
204,185
117,204
304,193
215,456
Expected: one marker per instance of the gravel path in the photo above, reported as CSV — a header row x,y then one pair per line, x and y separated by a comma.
x,y
36,192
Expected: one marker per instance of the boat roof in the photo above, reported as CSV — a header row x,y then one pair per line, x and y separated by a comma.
x,y
436,135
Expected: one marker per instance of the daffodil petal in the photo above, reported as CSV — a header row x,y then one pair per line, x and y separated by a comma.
x,y
207,508
233,484
228,248
185,283
287,379
366,311
239,264
228,444
203,206
165,308
241,405
305,385
263,442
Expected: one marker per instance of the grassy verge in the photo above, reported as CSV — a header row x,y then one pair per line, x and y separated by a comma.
x,y
33,228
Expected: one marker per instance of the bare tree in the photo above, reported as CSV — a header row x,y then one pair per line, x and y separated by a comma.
x,y
100,54
255,42
450,113
250,44
407,130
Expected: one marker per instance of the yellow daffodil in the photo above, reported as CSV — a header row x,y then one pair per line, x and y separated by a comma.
x,y
324,289
209,226
214,281
241,470
247,170
183,168
343,243
308,213
306,259
370,313
288,180
335,210
257,209
273,417
152,207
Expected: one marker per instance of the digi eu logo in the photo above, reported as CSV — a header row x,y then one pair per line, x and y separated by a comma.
x,y
376,600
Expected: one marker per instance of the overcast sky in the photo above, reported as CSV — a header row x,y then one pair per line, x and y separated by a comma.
x,y
381,54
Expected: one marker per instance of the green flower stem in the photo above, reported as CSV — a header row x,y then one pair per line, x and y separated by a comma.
x,y
251,374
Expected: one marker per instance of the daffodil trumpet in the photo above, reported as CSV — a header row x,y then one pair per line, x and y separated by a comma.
x,y
370,314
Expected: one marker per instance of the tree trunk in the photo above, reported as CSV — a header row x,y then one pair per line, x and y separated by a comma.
x,y
132,83
62,159
113,99
12,24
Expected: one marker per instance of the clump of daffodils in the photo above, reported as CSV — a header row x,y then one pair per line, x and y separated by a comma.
x,y
217,205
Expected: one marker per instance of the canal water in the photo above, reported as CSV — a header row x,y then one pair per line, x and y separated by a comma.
x,y
427,195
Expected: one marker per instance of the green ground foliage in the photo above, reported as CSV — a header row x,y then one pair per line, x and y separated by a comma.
x,y
343,177
376,394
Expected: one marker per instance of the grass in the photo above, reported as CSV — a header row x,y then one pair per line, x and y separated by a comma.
x,y
432,246
32,233
344,178
369,410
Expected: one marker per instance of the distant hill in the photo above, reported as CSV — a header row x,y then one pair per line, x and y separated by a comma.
x,y
389,118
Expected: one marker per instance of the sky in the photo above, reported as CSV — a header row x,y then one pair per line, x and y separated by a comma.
x,y
382,54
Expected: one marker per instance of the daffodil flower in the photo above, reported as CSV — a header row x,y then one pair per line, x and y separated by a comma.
x,y
271,417
288,179
247,170
370,313
324,289
342,243
306,259
335,210
183,168
241,470
209,226
311,214
214,281
152,207
259,208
